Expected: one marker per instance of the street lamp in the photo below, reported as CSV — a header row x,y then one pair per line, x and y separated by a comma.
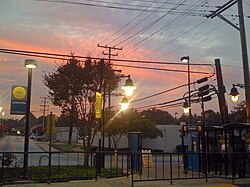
x,y
186,59
234,92
128,87
30,64
124,104
186,107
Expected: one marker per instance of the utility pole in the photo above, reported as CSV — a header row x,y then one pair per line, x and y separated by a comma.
x,y
241,28
221,93
244,58
109,67
44,109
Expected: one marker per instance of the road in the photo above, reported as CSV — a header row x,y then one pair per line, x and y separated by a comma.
x,y
39,154
16,144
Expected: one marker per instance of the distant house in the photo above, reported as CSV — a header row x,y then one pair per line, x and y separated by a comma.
x,y
22,122
62,130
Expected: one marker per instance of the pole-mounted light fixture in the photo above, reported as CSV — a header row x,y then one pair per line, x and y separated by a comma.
x,y
185,59
234,94
30,63
128,87
124,104
186,107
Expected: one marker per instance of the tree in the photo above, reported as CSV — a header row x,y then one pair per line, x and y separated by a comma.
x,y
159,117
131,121
72,87
212,118
239,113
65,84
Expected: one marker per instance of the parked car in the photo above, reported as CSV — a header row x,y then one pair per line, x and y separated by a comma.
x,y
32,136
39,137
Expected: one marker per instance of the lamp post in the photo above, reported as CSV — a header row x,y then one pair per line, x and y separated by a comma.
x,y
186,59
234,92
124,104
128,87
30,64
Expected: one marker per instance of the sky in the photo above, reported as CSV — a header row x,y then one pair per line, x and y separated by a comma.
x,y
150,30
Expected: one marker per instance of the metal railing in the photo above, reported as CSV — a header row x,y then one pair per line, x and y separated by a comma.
x,y
64,166
169,166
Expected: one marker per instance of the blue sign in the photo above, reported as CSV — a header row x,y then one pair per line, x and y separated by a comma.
x,y
18,100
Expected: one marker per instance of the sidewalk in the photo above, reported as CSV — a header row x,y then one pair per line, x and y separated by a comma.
x,y
126,182
45,146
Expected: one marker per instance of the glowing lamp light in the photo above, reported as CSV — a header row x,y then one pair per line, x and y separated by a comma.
x,y
124,104
128,87
186,107
30,63
234,94
185,59
235,98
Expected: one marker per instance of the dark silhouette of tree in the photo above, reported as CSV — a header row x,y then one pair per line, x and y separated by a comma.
x,y
72,87
159,117
212,118
131,121
238,113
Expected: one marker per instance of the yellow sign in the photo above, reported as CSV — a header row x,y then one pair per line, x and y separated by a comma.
x,y
19,92
51,124
147,158
98,105
199,128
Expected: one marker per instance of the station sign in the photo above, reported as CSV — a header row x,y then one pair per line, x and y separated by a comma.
x,y
18,100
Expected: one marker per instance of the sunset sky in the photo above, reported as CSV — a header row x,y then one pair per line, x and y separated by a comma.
x,y
151,30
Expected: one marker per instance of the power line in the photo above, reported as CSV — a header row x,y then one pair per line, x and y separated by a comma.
x,y
192,40
166,26
128,22
138,23
140,7
149,25
54,56
163,69
159,48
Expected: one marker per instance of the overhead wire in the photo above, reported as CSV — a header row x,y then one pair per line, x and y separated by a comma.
x,y
192,40
128,23
140,8
148,26
136,26
184,33
165,27
65,57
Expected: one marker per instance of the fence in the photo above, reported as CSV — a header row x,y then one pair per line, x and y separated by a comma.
x,y
65,166
170,166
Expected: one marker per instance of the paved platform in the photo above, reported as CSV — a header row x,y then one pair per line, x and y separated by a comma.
x,y
126,182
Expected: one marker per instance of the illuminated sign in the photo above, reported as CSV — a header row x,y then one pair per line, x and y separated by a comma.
x,y
18,100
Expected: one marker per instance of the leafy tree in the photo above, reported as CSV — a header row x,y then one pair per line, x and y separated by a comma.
x,y
131,121
212,118
159,117
72,87
238,113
